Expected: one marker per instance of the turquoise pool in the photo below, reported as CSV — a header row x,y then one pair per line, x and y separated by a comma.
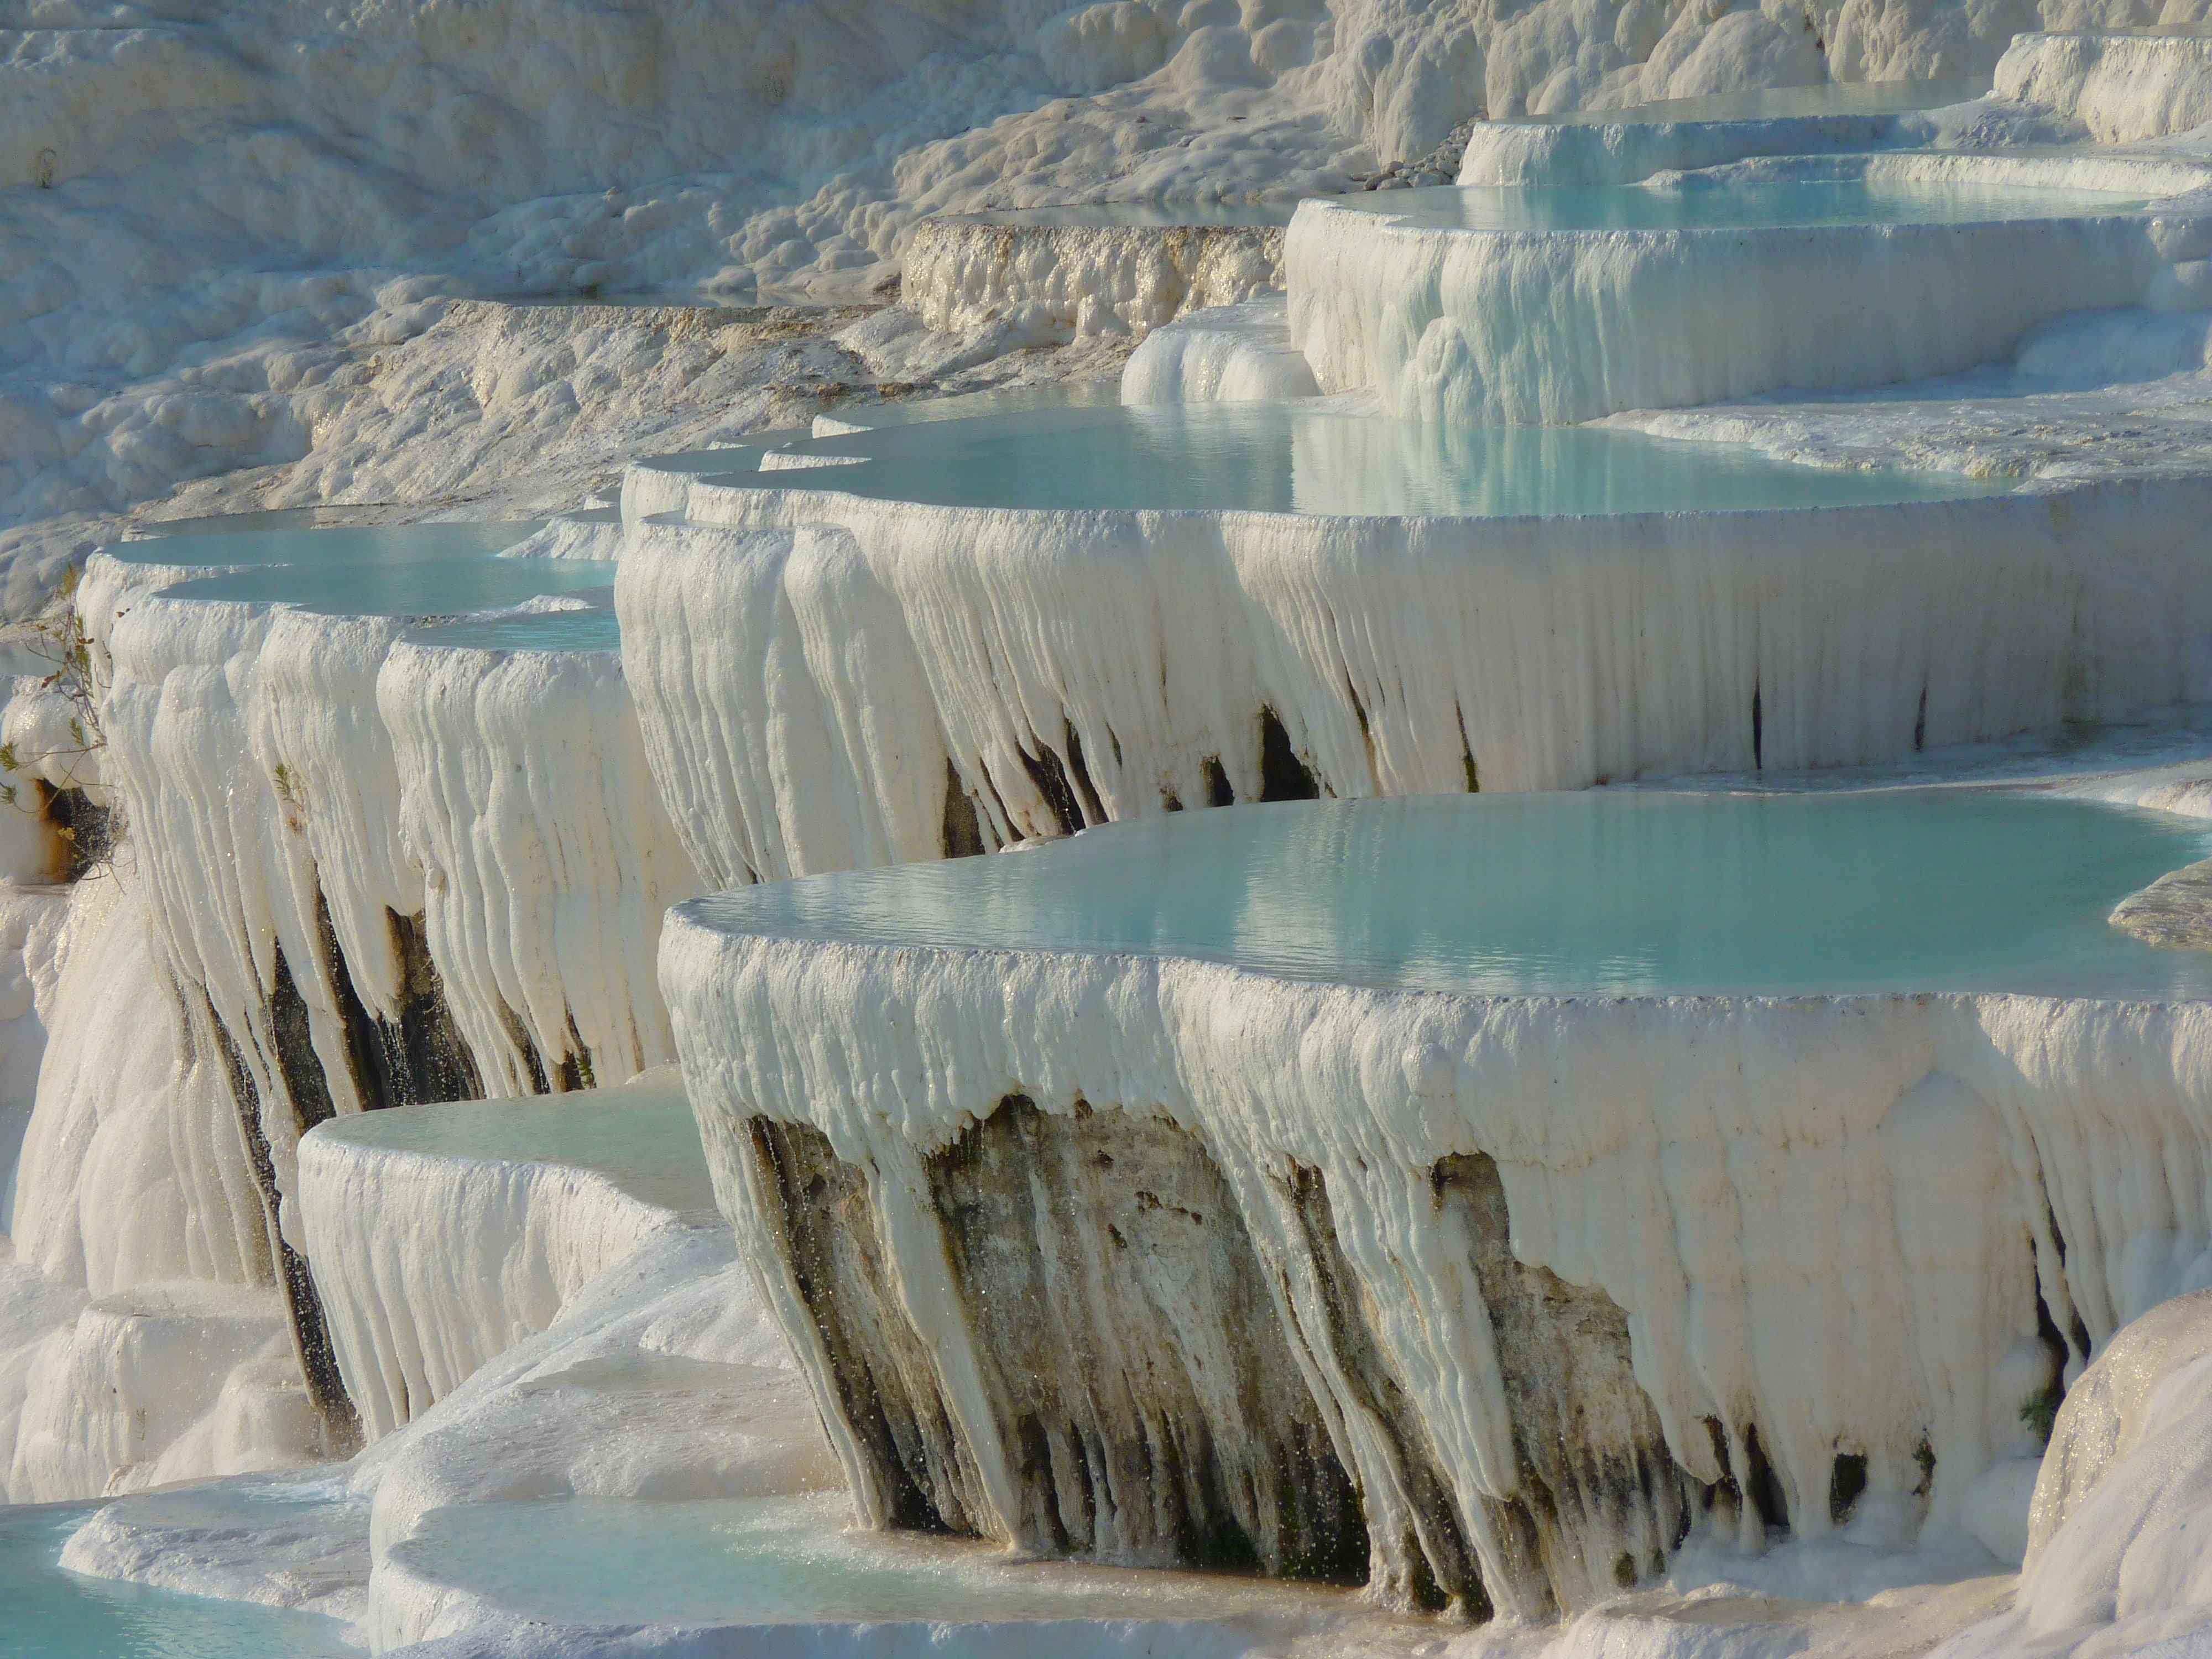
x,y
402,587
642,1136
1606,893
287,541
1313,458
48,1613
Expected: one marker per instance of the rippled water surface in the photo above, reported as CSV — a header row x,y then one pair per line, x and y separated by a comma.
x,y
47,1614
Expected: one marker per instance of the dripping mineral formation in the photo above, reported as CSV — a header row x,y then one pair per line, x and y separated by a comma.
x,y
1288,831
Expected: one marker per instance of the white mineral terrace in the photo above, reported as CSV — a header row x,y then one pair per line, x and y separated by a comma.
x,y
1622,146
447,1234
1088,271
1176,650
1484,305
1313,1026
623,1029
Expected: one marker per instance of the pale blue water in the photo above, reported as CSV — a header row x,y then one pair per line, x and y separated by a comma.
x,y
1831,98
642,1135
744,457
1145,215
968,405
296,543
1300,458
47,1614
281,518
2146,31
1604,893
723,458
419,587
792,1560
1698,202
592,630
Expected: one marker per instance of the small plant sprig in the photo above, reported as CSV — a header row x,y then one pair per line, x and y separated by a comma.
x,y
61,640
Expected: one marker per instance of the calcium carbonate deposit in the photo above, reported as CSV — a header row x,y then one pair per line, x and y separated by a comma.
x,y
1243,830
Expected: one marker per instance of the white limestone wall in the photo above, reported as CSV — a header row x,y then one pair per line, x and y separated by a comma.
x,y
547,857
165,1382
1552,327
1828,1218
2123,88
2116,1555
32,922
200,799
142,1340
782,700
1063,281
330,786
432,1262
500,795
786,680
1224,354
132,1169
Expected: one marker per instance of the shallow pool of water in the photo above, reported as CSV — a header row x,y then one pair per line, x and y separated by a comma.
x,y
1696,202
968,405
1291,457
421,587
1830,98
250,543
47,1614
792,1560
278,517
1604,893
642,1135
593,628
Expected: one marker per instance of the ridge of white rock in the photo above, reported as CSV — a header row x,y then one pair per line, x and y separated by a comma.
x,y
2121,85
380,940
445,1235
1060,281
2116,1563
1250,655
547,857
1487,325
782,704
1941,1146
321,717
1230,353
145,1340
